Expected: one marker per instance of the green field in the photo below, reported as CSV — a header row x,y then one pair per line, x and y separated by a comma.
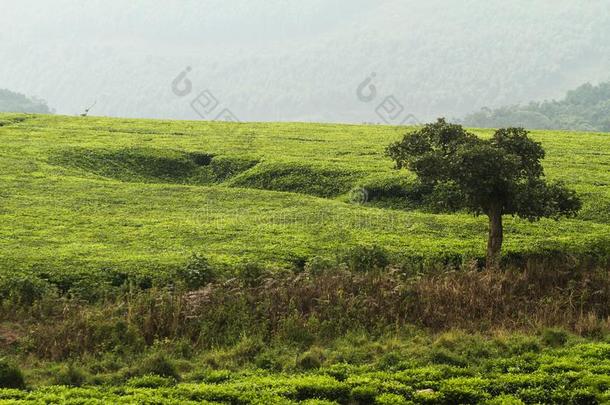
x,y
84,194
147,261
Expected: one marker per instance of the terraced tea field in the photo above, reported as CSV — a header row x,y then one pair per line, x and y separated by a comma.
x,y
514,370
176,262
87,194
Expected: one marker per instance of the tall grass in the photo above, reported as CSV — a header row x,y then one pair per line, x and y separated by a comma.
x,y
310,307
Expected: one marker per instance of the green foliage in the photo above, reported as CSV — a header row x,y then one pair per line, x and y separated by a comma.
x,y
71,375
497,176
150,165
10,375
298,177
311,359
151,381
364,394
160,365
391,399
554,337
22,289
197,272
365,258
477,381
476,174
160,197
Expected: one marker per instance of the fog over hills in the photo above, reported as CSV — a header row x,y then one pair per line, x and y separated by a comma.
x,y
294,60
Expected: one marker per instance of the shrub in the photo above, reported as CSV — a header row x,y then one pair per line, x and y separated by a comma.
x,y
520,344
428,396
71,375
440,355
389,360
504,400
294,329
158,364
321,387
217,376
296,177
554,337
584,396
339,371
364,394
311,359
533,395
366,258
318,265
151,381
246,349
197,272
24,289
251,273
390,399
464,390
275,360
10,376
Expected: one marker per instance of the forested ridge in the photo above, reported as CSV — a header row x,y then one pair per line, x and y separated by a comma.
x,y
295,61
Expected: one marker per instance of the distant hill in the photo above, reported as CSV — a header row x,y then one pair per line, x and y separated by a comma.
x,y
17,102
586,108
278,60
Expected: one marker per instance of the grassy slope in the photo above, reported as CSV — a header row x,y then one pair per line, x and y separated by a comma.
x,y
60,215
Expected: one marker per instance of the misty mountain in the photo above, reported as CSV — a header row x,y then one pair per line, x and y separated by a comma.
x,y
20,103
302,61
586,108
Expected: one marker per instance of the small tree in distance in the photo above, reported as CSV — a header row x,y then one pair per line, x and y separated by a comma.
x,y
498,176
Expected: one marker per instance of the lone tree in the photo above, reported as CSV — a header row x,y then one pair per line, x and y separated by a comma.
x,y
498,176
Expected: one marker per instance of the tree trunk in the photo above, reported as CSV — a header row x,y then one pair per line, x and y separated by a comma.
x,y
494,241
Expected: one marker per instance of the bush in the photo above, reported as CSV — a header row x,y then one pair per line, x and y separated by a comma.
x,y
554,337
217,376
71,375
364,394
311,359
10,376
309,387
21,289
318,265
505,400
151,381
583,396
339,372
428,396
389,360
275,360
246,349
196,273
366,258
251,273
158,364
440,355
464,390
390,399
296,177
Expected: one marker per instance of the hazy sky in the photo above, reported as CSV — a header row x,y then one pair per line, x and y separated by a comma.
x,y
305,60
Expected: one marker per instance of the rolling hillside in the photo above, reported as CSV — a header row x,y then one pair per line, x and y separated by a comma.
x,y
91,194
283,263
